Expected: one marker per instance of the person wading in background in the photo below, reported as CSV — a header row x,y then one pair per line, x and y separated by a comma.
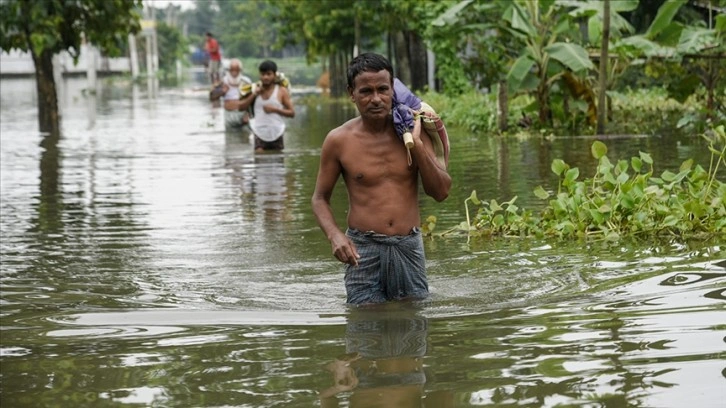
x,y
271,105
234,118
215,57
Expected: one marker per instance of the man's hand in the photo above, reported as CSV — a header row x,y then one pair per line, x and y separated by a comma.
x,y
343,376
416,132
344,249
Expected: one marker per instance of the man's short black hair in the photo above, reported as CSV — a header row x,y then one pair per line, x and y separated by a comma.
x,y
367,62
268,66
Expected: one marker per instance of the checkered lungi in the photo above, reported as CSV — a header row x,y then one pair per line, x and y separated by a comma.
x,y
391,267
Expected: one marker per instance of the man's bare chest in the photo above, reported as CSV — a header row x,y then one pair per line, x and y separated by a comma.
x,y
371,164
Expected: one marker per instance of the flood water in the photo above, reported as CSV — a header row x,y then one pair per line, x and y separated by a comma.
x,y
151,259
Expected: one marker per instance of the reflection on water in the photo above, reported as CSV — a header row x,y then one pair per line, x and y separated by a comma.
x,y
384,361
149,258
262,177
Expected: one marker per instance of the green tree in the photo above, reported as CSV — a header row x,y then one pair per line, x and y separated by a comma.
x,y
546,33
406,24
47,27
327,30
470,50
172,47
689,58
247,28
202,18
332,30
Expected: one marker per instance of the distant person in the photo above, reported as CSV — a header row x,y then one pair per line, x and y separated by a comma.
x,y
235,117
382,248
215,57
271,104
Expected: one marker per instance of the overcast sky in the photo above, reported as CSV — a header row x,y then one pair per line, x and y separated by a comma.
x,y
185,4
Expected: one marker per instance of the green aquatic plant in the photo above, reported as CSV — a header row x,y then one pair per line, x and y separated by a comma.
x,y
622,199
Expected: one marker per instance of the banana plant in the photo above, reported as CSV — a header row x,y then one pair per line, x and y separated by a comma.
x,y
698,52
593,12
544,27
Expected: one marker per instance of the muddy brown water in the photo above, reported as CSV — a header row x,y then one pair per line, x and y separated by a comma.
x,y
149,258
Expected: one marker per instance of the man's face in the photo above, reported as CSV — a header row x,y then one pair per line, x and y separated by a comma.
x,y
267,77
373,94
234,70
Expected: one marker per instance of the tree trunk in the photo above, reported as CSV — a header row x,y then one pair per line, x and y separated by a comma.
x,y
48,117
403,64
712,76
389,46
356,30
334,75
419,62
545,115
50,220
603,80
338,80
503,106
543,96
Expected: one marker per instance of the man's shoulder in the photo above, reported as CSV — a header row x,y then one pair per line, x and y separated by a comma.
x,y
344,131
282,90
350,125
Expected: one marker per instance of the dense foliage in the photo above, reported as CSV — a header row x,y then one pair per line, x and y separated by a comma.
x,y
624,198
648,111
544,52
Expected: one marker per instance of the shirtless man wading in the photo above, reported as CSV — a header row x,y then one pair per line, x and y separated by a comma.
x,y
382,246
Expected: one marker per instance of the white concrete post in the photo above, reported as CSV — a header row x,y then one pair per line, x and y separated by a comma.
x,y
89,52
133,57
149,57
155,50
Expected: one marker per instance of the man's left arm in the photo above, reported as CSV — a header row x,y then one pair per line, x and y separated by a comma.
x,y
434,177
287,109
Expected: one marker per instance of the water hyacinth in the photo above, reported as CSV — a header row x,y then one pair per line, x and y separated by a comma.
x,y
621,200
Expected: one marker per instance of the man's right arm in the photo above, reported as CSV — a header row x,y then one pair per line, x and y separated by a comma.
x,y
245,102
328,174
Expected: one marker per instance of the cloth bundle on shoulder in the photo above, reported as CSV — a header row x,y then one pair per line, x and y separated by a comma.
x,y
216,92
239,81
407,107
246,88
